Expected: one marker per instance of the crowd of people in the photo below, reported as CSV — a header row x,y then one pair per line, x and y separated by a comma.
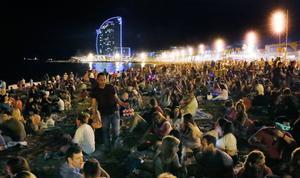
x,y
160,105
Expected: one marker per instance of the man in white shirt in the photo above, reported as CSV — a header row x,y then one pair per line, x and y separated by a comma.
x,y
60,105
84,136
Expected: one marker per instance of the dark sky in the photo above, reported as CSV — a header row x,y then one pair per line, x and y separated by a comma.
x,y
62,29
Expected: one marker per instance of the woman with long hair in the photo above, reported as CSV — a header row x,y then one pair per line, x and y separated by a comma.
x,y
254,166
18,167
168,160
241,121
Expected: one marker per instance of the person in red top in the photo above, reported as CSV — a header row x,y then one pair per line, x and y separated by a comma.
x,y
272,142
254,166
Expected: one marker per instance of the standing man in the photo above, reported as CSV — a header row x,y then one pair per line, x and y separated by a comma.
x,y
104,95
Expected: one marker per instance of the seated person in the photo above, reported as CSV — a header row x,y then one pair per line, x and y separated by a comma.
x,y
167,160
212,162
190,133
16,113
189,104
35,120
2,142
230,111
254,166
226,140
124,98
137,122
60,104
166,175
18,167
74,162
154,107
14,129
4,103
223,94
92,169
273,142
241,121
293,168
296,130
161,126
84,135
136,100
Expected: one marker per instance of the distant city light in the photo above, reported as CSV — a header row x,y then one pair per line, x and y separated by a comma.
x,y
182,52
201,49
219,45
190,50
143,55
117,56
90,56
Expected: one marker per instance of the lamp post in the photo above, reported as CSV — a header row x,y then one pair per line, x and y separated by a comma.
x,y
279,22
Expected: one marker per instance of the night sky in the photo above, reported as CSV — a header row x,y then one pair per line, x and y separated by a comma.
x,y
63,29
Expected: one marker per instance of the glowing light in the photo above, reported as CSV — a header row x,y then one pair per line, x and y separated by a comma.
x,y
90,65
182,52
117,56
278,22
143,55
190,50
164,55
251,38
201,49
176,53
219,45
90,56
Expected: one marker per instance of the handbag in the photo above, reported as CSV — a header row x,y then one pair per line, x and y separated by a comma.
x,y
96,118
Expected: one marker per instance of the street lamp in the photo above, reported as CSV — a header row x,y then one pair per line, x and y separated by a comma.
x,y
278,22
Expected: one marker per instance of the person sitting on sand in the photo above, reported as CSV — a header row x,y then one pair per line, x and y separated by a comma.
x,y
92,169
84,135
74,163
18,167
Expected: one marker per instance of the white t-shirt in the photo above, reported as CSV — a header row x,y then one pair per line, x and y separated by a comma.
x,y
85,137
61,105
227,142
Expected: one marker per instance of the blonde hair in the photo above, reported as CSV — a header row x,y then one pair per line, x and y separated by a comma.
x,y
166,175
168,143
